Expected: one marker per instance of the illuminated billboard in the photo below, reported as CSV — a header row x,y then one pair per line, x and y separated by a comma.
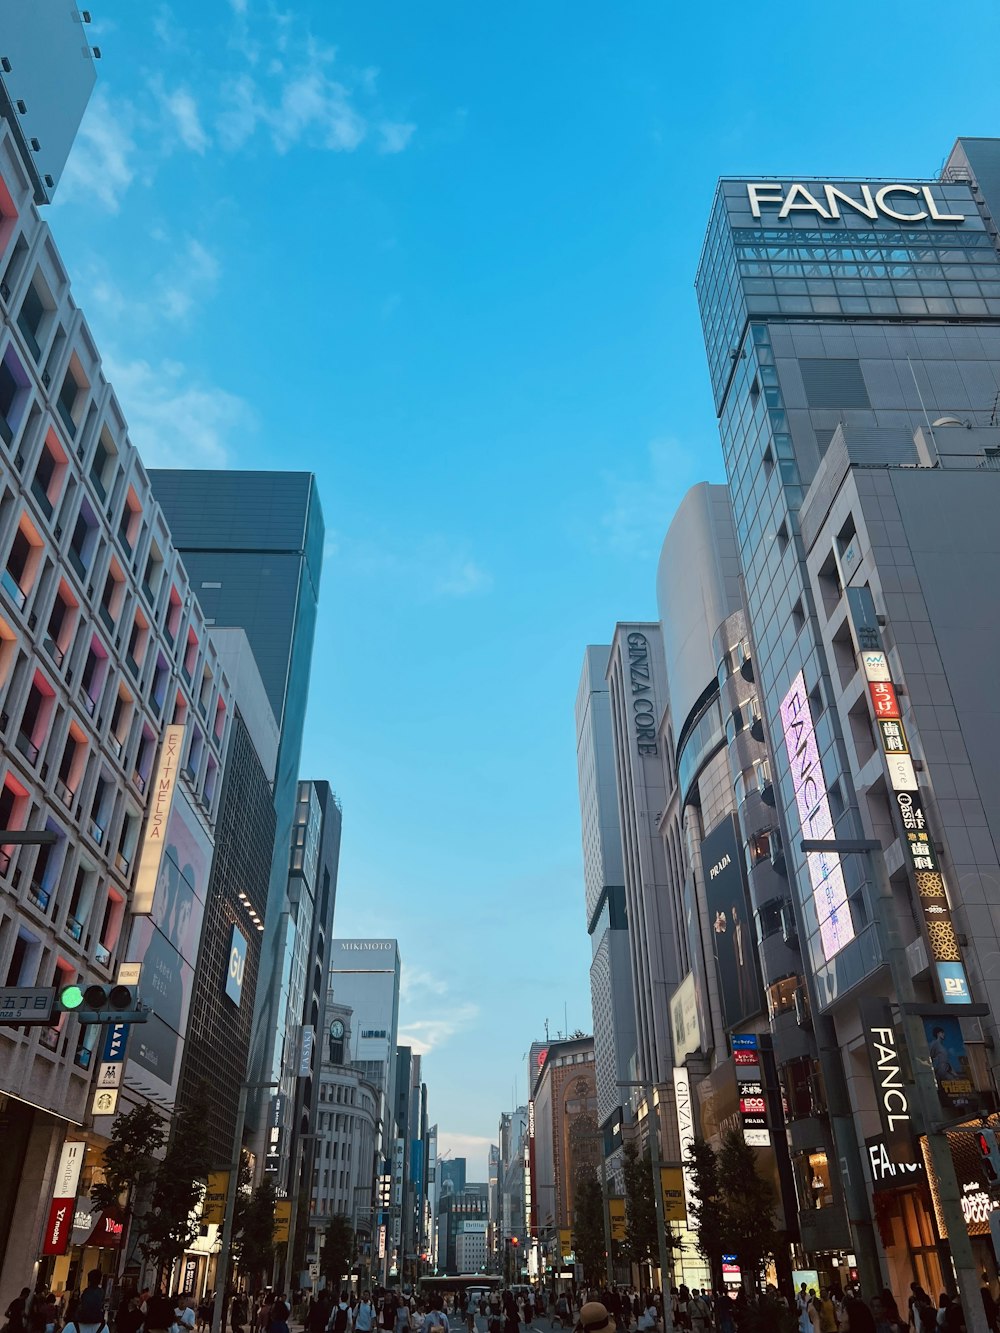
x,y
825,872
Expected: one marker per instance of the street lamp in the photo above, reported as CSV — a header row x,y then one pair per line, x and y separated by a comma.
x,y
222,1269
925,1083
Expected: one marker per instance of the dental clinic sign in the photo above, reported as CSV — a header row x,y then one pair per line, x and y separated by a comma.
x,y
902,203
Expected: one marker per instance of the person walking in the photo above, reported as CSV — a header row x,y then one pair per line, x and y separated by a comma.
x,y
341,1319
435,1320
159,1312
364,1315
700,1311
859,1318
239,1314
16,1312
560,1311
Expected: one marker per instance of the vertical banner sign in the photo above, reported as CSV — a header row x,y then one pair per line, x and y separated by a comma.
x,y
750,1087
161,798
891,1094
685,1130
59,1225
672,1186
825,874
236,965
282,1220
213,1206
306,1050
925,872
616,1212
950,1061
532,1200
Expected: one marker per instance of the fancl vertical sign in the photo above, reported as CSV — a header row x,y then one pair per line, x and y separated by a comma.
x,y
161,798
825,873
891,1092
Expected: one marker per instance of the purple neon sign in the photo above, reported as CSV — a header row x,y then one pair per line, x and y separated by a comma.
x,y
825,873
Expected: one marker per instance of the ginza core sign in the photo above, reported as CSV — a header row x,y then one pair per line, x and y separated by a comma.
x,y
902,203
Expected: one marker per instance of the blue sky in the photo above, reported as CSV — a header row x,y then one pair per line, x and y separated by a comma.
x,y
442,254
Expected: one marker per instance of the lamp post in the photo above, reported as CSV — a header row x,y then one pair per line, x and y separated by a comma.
x,y
222,1269
289,1273
649,1089
925,1083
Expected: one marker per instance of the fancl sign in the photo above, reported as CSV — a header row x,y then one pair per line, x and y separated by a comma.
x,y
902,203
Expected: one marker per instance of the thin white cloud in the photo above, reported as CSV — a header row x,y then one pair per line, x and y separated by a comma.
x,y
240,113
434,568
395,135
642,504
415,982
173,292
182,108
428,1033
100,167
175,421
188,281
319,109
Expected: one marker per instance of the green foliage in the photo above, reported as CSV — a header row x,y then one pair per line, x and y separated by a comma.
x,y
708,1219
129,1158
338,1251
640,1207
733,1212
169,1226
748,1206
253,1248
588,1227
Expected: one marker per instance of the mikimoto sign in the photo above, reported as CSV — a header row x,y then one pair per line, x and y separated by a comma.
x,y
902,203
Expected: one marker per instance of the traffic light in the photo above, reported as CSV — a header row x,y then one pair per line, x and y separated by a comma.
x,y
103,1004
989,1147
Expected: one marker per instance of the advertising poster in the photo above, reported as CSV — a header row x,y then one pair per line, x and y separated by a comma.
x,y
166,944
950,1061
729,913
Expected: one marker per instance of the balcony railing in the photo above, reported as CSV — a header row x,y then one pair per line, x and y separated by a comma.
x,y
28,334
66,417
89,702
27,747
96,832
53,650
107,618
41,495
122,862
139,781
64,794
39,895
13,589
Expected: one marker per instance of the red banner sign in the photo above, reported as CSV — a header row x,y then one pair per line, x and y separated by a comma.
x,y
59,1226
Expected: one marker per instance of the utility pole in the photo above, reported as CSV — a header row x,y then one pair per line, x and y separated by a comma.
x,y
222,1268
928,1103
606,1215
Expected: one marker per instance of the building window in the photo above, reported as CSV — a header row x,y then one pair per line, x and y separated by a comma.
x,y
23,560
62,622
13,395
94,672
46,484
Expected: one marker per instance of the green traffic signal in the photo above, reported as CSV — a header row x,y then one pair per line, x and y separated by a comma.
x,y
71,997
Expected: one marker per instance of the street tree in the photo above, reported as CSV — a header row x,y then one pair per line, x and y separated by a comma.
x,y
708,1209
253,1248
748,1207
588,1226
129,1164
640,1207
170,1225
337,1252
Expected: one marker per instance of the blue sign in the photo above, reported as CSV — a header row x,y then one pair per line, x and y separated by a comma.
x,y
747,1042
115,1041
237,959
954,983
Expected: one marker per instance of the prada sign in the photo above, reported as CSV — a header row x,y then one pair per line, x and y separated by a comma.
x,y
902,203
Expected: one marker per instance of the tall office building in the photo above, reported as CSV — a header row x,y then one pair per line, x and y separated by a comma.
x,y
853,338
104,651
612,999
364,974
566,1136
638,696
253,545
225,979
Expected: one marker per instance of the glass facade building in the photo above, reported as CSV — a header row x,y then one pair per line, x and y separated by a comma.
x,y
853,338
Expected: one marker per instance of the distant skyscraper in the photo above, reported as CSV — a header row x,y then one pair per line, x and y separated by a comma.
x,y
364,975
611,995
252,543
451,1174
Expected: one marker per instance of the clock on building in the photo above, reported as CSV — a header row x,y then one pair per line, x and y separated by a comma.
x,y
336,1029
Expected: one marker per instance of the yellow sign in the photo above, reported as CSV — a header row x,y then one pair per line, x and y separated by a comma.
x,y
213,1207
672,1184
161,797
565,1242
282,1218
616,1211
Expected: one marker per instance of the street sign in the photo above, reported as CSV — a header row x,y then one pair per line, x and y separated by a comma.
x,y
26,1006
109,1075
129,973
115,1041
105,1101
